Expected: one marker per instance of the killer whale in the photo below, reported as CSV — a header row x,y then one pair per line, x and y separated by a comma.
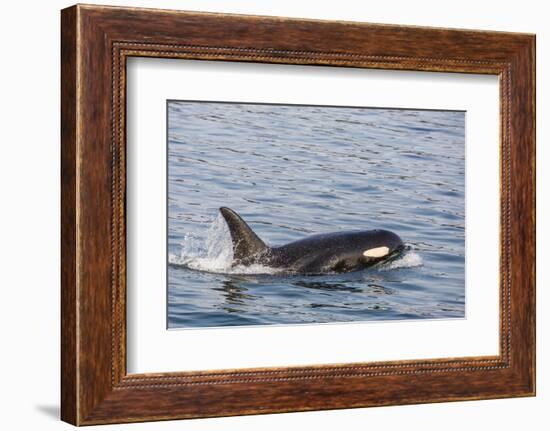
x,y
317,254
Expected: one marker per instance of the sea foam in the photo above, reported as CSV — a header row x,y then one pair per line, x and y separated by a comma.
x,y
213,254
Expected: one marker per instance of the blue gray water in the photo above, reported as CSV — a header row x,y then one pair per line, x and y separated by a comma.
x,y
291,171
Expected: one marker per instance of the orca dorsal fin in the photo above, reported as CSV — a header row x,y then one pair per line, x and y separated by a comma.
x,y
245,242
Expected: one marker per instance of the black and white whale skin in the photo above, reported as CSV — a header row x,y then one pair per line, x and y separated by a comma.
x,y
318,254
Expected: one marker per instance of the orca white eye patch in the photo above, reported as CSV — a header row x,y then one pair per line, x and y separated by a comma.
x,y
376,252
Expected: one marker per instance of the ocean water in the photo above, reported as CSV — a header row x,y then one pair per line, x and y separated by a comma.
x,y
292,171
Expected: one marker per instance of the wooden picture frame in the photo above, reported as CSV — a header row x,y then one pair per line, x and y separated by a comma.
x,y
95,43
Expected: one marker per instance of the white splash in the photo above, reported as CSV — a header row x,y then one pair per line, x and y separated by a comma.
x,y
408,260
213,254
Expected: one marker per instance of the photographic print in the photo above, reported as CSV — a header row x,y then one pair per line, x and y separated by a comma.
x,y
298,214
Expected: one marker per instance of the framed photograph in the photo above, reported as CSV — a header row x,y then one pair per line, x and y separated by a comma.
x,y
264,214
